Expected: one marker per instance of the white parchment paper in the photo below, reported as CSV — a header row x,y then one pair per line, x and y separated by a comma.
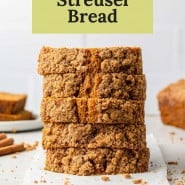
x,y
157,174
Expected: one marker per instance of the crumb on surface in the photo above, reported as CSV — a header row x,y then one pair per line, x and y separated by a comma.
x,y
30,147
172,133
137,181
144,183
181,138
14,130
43,181
35,181
127,176
105,178
170,179
172,163
14,156
66,181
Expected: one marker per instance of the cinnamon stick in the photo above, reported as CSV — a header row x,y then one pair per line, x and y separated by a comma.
x,y
2,136
12,149
6,142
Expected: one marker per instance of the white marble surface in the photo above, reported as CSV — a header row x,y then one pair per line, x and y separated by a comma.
x,y
171,141
12,169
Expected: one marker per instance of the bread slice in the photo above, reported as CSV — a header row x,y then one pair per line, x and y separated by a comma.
x,y
92,110
90,60
100,85
64,135
171,101
23,115
11,103
83,161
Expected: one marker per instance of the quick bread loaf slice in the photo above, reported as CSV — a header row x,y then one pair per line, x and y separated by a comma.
x,y
23,115
100,85
119,136
171,104
92,110
83,161
90,60
11,103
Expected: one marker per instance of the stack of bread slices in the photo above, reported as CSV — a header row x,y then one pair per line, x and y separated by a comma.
x,y
93,110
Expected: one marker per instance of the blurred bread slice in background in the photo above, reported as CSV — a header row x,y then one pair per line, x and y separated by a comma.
x,y
11,103
171,102
23,115
12,107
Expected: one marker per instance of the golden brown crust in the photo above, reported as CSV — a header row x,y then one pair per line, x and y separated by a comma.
x,y
171,104
12,103
93,136
97,161
90,60
82,110
100,85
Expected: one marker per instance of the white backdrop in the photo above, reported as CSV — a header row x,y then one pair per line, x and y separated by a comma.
x,y
163,51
